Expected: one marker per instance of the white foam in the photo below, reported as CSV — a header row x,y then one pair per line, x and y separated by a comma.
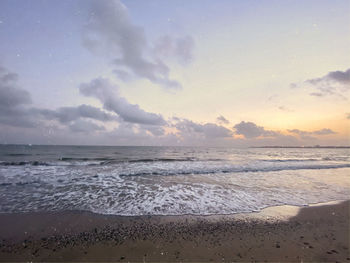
x,y
103,190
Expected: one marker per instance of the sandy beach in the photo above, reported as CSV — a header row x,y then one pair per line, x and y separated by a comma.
x,y
317,233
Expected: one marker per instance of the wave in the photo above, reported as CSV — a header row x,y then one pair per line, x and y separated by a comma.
x,y
18,154
34,163
289,160
106,161
84,159
238,170
150,160
20,183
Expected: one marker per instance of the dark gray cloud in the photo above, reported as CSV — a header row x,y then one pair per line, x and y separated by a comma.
x,y
107,93
342,77
122,75
208,130
251,130
31,117
324,131
222,120
179,48
13,101
67,114
11,96
334,83
16,109
154,130
110,30
7,76
18,117
211,130
85,126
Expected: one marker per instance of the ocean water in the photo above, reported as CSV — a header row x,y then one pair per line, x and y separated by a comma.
x,y
168,180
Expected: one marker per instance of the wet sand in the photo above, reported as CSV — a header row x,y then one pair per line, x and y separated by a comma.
x,y
317,233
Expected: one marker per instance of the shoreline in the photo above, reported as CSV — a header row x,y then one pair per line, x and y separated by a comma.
x,y
262,210
317,232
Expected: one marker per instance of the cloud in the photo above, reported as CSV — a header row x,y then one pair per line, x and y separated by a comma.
x,y
85,126
334,83
122,75
342,77
317,94
67,114
11,96
212,130
13,100
111,30
154,130
133,131
16,108
284,108
107,93
180,48
127,131
222,120
324,131
208,130
6,76
17,117
251,130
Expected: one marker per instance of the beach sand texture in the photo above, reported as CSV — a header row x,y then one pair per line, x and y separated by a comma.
x,y
315,233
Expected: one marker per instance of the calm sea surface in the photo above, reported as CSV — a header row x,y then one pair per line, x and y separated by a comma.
x,y
168,180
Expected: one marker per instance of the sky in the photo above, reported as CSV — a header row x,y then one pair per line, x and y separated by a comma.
x,y
196,73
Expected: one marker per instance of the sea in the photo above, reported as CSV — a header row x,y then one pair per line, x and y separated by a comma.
x,y
133,181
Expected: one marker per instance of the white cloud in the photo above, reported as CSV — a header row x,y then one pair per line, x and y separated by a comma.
x,y
107,93
110,30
